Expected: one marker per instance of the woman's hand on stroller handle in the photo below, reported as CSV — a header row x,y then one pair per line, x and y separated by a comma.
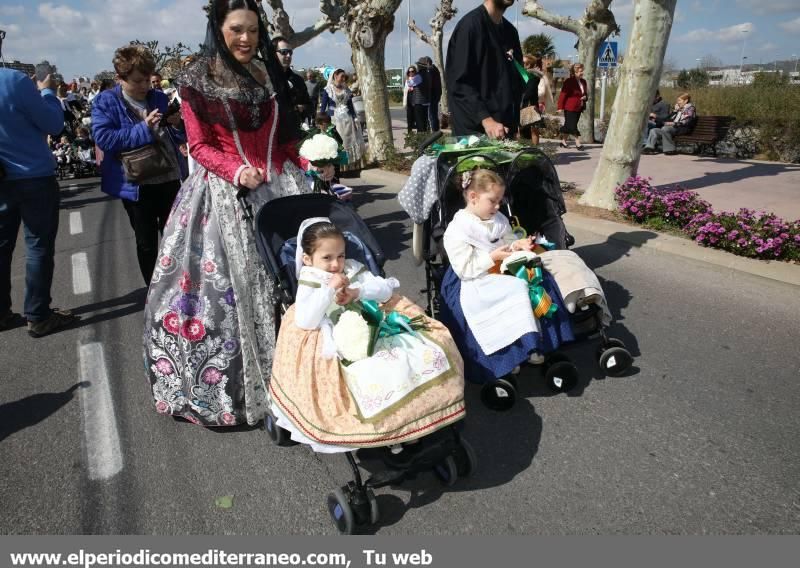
x,y
251,177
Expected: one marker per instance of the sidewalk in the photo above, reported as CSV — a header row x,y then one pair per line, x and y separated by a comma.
x,y
728,184
632,234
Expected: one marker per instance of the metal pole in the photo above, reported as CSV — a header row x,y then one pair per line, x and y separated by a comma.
x,y
603,96
741,58
408,30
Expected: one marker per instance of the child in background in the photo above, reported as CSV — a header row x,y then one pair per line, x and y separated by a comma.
x,y
409,387
490,314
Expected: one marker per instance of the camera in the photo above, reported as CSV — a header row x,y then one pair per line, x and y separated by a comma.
x,y
173,108
44,69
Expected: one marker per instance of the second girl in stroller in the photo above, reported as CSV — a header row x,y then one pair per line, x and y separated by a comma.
x,y
410,386
489,314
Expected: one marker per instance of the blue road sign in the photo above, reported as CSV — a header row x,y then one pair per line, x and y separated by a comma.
x,y
608,55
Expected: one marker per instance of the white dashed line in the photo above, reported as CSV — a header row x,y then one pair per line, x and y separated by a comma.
x,y
75,223
104,458
81,284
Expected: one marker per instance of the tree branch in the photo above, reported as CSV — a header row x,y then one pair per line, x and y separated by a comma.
x,y
281,22
565,23
412,25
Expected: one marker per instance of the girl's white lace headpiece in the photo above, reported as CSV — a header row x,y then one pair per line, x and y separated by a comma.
x,y
298,255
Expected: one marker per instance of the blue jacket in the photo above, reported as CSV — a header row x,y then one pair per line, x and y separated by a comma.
x,y
26,118
116,130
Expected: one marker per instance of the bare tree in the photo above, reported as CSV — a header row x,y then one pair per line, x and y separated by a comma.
x,y
164,54
443,14
652,24
367,23
281,23
710,61
592,29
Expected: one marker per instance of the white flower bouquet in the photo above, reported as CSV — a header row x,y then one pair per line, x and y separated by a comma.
x,y
353,336
320,150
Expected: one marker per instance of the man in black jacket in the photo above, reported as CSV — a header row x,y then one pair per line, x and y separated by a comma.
x,y
435,79
484,86
298,94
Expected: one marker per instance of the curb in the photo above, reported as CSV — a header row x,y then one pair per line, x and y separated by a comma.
x,y
646,239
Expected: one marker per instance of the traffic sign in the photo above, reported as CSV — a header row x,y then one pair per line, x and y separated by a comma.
x,y
608,55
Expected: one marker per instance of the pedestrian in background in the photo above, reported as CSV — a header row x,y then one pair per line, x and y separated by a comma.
x,y
300,100
29,195
435,77
572,100
408,104
129,117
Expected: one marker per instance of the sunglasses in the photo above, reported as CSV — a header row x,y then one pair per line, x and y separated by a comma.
x,y
412,72
285,51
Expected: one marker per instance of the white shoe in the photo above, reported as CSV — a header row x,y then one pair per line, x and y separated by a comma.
x,y
536,359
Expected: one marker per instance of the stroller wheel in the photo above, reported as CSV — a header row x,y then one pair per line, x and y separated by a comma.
x,y
610,342
561,374
340,510
374,511
615,361
465,458
499,395
446,471
278,435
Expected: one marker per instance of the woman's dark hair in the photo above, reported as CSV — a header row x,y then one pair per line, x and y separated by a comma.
x,y
317,231
288,129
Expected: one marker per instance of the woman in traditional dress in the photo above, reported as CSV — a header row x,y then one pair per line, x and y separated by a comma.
x,y
210,327
337,101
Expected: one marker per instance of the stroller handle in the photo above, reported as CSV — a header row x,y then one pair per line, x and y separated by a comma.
x,y
247,209
428,141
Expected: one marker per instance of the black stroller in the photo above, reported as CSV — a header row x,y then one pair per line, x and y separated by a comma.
x,y
534,198
444,451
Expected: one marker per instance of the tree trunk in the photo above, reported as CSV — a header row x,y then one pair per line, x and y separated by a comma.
x,y
639,78
588,46
370,67
437,43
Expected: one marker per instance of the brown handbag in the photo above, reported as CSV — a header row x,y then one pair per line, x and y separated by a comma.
x,y
145,162
529,115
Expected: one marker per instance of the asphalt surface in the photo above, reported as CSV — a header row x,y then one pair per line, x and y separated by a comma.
x,y
702,437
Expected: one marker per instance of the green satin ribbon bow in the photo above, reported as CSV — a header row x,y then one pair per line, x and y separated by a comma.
x,y
543,305
393,323
522,72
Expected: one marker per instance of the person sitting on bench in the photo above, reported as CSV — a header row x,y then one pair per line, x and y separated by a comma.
x,y
681,122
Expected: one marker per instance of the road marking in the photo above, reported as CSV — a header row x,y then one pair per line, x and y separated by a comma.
x,y
103,455
81,284
75,223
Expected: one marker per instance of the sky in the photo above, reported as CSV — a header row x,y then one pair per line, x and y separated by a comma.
x,y
80,36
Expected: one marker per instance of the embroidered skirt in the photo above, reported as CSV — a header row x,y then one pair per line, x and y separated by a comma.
x,y
209,332
482,368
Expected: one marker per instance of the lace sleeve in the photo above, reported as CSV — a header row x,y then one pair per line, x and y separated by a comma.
x,y
205,148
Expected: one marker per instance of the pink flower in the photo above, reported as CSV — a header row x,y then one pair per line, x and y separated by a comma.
x,y
166,261
209,267
162,407
172,323
193,329
228,418
212,376
184,220
164,366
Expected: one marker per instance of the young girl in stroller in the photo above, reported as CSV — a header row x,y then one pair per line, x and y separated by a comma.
x,y
490,314
411,386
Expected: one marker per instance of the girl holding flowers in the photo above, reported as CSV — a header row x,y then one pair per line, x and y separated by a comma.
x,y
490,314
349,373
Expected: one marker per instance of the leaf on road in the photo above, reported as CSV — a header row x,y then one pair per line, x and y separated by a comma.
x,y
225,502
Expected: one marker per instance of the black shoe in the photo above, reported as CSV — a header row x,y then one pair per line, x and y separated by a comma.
x,y
670,153
59,319
579,148
564,144
649,151
9,320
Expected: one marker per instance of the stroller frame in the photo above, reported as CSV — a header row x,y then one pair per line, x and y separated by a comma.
x,y
354,503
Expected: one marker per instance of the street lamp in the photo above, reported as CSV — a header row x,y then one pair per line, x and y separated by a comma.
x,y
795,62
742,58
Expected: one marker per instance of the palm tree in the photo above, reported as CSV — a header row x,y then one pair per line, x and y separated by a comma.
x,y
540,45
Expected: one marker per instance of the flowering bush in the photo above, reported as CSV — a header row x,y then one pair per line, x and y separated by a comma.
x,y
754,234
642,202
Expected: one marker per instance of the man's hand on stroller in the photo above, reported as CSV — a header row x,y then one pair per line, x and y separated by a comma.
x,y
494,129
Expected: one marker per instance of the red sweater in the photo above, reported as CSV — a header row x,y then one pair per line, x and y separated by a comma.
x,y
571,94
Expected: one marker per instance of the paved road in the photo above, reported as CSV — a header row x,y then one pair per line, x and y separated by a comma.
x,y
702,438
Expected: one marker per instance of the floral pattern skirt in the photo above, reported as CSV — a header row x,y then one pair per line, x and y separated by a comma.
x,y
311,392
209,333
